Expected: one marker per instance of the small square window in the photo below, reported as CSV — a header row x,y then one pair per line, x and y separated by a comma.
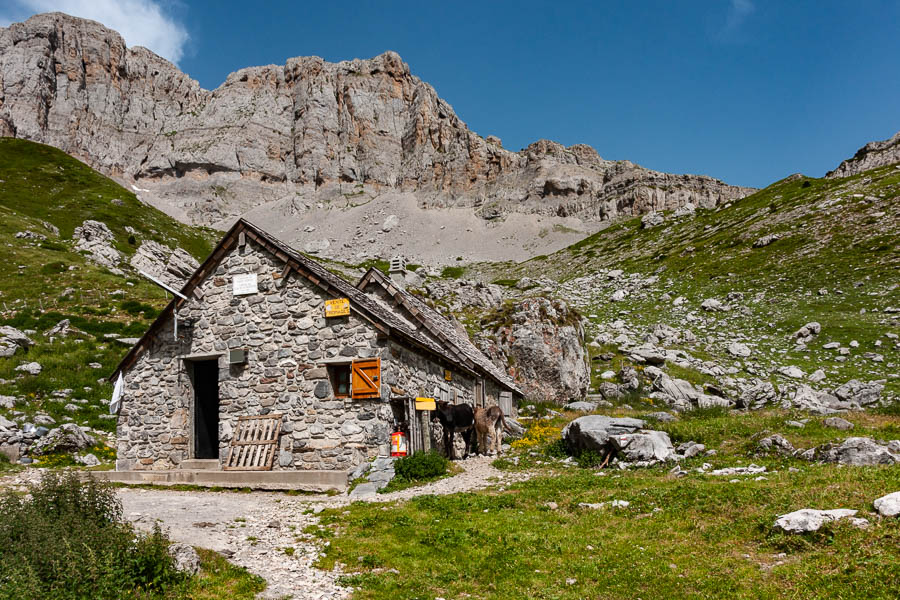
x,y
340,380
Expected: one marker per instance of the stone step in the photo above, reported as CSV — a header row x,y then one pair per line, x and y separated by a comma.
x,y
309,481
200,464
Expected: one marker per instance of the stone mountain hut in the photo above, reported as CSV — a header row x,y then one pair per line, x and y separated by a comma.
x,y
277,373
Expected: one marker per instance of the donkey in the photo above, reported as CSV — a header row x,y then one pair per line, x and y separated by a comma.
x,y
455,418
489,425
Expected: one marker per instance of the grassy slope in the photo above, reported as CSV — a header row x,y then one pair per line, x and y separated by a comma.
x,y
41,184
842,235
699,536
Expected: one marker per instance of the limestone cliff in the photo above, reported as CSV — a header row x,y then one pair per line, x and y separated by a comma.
x,y
277,141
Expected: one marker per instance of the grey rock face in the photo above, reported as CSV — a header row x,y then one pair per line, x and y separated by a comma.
x,y
870,156
307,129
545,343
581,406
172,267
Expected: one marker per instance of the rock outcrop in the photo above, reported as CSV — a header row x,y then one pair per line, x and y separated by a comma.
x,y
172,267
278,139
541,343
870,156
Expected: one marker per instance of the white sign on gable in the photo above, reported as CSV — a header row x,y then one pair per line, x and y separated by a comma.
x,y
244,284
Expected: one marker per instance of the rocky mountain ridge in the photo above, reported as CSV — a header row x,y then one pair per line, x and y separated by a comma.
x,y
283,141
870,156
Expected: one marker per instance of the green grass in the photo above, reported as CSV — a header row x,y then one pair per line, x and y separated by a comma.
x,y
696,536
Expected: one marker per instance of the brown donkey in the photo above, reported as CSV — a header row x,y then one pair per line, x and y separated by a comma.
x,y
489,429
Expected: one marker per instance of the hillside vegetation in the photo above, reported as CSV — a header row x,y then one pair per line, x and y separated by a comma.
x,y
800,250
44,280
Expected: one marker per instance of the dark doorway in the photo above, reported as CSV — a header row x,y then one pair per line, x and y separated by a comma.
x,y
206,409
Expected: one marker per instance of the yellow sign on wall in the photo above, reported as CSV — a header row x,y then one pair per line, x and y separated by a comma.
x,y
339,307
448,376
425,404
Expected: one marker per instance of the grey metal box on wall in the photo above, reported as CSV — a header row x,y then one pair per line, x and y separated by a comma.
x,y
237,356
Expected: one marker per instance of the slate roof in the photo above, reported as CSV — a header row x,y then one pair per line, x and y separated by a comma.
x,y
382,317
440,327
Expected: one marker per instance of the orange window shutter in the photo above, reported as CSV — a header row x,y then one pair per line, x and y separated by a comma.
x,y
366,378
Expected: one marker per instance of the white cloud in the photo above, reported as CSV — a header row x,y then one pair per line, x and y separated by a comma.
x,y
141,22
738,11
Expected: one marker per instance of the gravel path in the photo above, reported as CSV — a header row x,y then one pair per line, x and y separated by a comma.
x,y
228,522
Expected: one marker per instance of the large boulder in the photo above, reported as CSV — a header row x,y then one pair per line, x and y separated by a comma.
x,y
68,437
593,432
96,240
541,342
11,339
172,267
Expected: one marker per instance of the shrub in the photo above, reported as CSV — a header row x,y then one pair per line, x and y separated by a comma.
x,y
421,465
69,540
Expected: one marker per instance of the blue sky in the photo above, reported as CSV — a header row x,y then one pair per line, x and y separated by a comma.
x,y
747,91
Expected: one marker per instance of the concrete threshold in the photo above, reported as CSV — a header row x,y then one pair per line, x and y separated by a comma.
x,y
306,481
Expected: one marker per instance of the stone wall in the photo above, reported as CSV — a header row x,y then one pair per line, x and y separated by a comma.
x,y
289,342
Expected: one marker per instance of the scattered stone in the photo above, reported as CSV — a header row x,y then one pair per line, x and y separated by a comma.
x,y
653,219
186,558
806,333
766,240
581,406
32,368
740,350
61,329
888,506
593,432
777,444
390,223
662,417
792,372
838,423
713,305
808,519
88,460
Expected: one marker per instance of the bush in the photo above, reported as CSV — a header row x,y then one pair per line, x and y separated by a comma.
x,y
69,540
421,465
